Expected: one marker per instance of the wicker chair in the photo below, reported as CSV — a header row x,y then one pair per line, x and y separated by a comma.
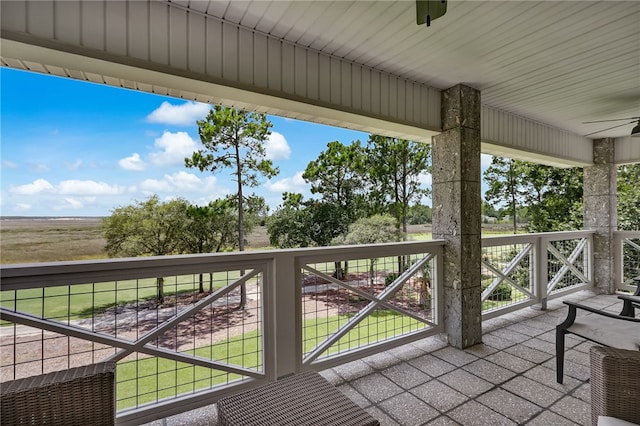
x,y
77,396
615,384
607,329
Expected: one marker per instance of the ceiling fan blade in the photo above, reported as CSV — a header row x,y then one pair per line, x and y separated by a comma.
x,y
610,128
613,119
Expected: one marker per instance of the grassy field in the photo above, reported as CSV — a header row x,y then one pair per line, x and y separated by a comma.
x,y
51,240
31,240
143,380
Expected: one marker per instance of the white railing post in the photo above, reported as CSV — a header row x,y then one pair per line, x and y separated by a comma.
x,y
286,331
541,272
618,257
588,258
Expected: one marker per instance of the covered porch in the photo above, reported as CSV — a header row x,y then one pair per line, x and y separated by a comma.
x,y
508,379
379,334
517,79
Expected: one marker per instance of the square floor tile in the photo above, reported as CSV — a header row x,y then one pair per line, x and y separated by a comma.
x,y
517,409
512,362
547,377
475,414
523,329
497,342
481,350
583,393
530,354
514,336
406,376
443,421
549,418
431,365
455,356
466,383
571,369
350,392
381,360
532,391
489,371
541,345
381,416
376,387
353,370
439,396
408,410
407,352
574,409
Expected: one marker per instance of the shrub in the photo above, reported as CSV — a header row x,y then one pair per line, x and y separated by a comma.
x,y
389,279
500,293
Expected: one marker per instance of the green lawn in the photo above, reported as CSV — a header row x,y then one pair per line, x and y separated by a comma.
x,y
86,300
142,381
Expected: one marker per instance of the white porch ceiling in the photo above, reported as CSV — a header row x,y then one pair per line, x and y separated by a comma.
x,y
557,62
543,63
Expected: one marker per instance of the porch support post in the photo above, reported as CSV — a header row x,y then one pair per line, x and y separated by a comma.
x,y
600,212
456,212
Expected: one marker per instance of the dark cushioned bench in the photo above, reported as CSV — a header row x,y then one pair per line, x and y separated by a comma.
x,y
304,399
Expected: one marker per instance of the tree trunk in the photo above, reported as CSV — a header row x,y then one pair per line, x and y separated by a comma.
x,y
338,270
243,286
160,288
372,263
512,188
201,284
425,292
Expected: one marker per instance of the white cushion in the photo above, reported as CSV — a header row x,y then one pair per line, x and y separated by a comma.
x,y
612,421
608,331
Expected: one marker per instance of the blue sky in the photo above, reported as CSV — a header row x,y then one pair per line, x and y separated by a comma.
x,y
71,148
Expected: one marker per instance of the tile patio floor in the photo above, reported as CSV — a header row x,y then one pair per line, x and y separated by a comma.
x,y
509,379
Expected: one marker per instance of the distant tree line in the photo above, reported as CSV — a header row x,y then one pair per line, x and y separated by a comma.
x,y
354,182
155,228
362,193
550,198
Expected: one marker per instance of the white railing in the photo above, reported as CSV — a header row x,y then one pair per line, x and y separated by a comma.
x,y
627,257
197,345
389,293
528,269
304,309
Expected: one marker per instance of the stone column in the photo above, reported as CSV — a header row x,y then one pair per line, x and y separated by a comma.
x,y
456,212
600,212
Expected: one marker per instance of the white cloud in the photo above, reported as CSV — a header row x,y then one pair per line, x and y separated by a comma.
x,y
425,179
277,147
73,166
291,184
174,147
39,168
69,204
181,115
151,186
88,187
6,164
182,183
22,207
485,160
36,187
133,163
